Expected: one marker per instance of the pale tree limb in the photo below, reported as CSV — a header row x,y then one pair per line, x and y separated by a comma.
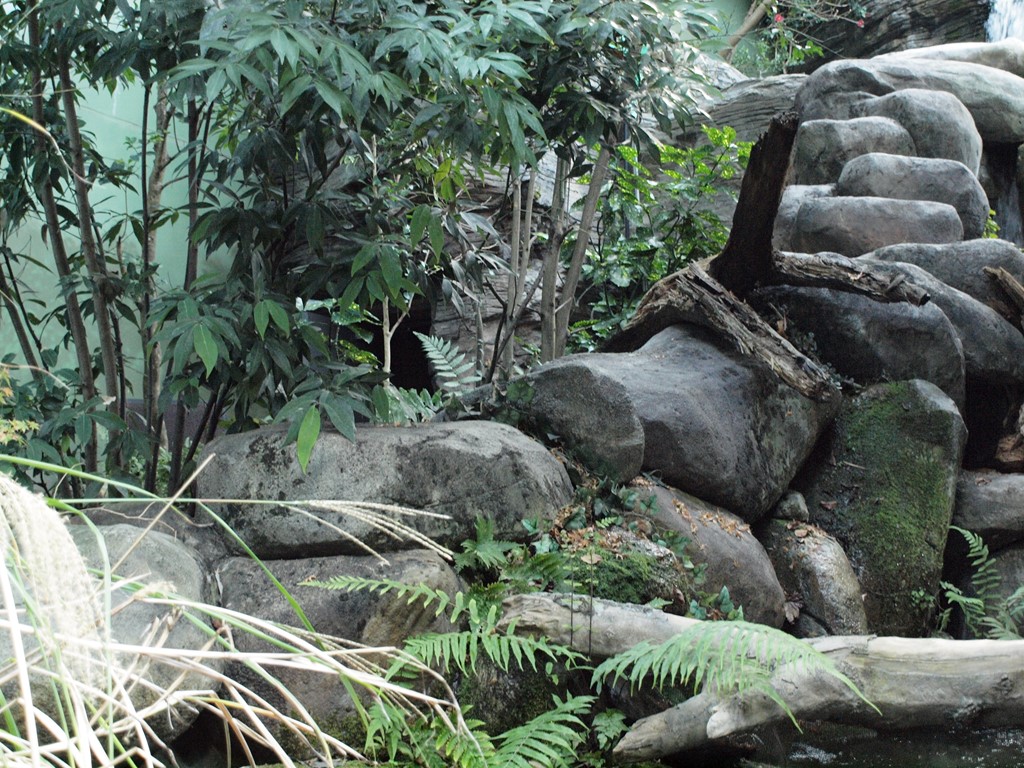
x,y
750,21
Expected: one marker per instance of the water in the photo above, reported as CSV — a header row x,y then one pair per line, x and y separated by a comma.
x,y
1006,19
979,749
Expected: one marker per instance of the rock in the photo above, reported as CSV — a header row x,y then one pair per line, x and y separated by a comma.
x,y
883,484
169,567
590,411
898,25
822,147
918,178
962,266
855,225
866,340
716,423
722,543
938,122
793,197
991,505
993,349
463,469
792,506
362,617
994,98
812,565
1009,565
1007,55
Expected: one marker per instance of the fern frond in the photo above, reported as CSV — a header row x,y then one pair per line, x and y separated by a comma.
x,y
720,656
450,365
461,650
414,592
548,740
484,551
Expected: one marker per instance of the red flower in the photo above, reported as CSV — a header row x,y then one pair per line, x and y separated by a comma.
x,y
860,23
779,18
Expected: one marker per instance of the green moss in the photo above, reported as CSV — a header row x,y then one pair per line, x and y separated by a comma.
x,y
506,699
629,576
886,492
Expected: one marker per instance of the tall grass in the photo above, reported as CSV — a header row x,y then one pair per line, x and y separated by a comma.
x,y
73,695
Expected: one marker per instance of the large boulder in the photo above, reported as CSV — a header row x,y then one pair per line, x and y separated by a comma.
x,y
822,147
590,411
814,569
793,198
993,349
918,178
855,225
1006,54
717,424
162,565
883,483
937,121
994,98
869,341
361,617
991,505
461,470
962,266
724,546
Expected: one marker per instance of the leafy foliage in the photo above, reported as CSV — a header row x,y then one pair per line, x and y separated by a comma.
x,y
724,657
986,613
654,222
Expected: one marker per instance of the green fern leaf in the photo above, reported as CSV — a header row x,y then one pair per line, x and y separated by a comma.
x,y
549,740
450,365
724,657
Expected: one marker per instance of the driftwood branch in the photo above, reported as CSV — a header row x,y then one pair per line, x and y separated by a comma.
x,y
832,270
1010,285
692,296
914,683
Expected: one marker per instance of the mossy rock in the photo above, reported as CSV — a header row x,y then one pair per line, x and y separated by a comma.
x,y
883,482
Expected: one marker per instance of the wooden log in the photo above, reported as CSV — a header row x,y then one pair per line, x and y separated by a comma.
x,y
913,683
692,296
832,270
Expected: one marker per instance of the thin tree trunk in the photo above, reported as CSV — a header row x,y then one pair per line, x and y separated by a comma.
x,y
73,310
751,20
152,194
96,268
579,253
549,270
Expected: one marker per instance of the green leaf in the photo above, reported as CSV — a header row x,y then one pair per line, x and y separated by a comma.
x,y
261,317
436,232
341,416
206,347
279,315
421,215
309,431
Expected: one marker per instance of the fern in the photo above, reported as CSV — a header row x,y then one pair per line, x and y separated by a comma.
x,y
720,656
987,613
484,551
456,374
549,740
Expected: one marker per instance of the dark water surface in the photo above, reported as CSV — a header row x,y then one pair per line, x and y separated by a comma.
x,y
980,749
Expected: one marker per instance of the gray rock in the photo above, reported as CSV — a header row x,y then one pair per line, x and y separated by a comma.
x,y
918,178
726,547
717,424
855,225
166,566
591,412
464,470
866,340
812,565
991,505
1007,55
792,506
363,617
823,147
938,122
994,98
883,484
962,266
993,349
793,197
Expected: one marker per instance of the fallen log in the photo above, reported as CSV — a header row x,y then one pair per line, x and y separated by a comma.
x,y
914,683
